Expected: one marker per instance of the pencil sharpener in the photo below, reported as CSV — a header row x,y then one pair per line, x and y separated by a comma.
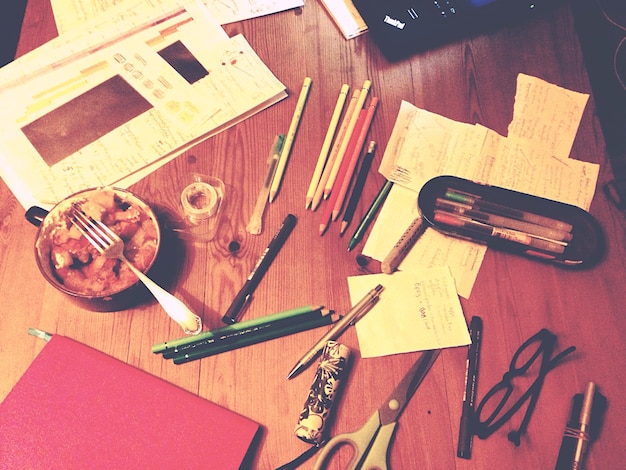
x,y
508,220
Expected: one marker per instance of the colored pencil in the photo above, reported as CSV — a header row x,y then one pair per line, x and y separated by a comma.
x,y
325,150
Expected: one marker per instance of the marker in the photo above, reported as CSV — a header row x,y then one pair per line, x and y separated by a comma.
x,y
255,336
255,226
464,449
293,314
259,270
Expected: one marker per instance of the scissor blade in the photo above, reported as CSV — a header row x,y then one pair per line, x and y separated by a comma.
x,y
395,404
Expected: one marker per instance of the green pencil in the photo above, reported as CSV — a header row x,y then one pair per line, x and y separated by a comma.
x,y
236,335
371,213
255,337
292,313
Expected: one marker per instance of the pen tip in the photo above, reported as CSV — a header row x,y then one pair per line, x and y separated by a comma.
x,y
293,372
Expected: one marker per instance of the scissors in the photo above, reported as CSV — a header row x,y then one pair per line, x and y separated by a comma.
x,y
371,442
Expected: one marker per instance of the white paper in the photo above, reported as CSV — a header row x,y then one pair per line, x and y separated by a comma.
x,y
417,310
70,14
432,249
533,159
107,103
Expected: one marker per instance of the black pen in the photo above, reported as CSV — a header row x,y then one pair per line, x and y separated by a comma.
x,y
464,449
259,270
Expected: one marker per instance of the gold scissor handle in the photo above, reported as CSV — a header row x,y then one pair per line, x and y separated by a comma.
x,y
359,441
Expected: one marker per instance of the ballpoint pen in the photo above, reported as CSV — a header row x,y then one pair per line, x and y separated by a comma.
x,y
355,313
244,295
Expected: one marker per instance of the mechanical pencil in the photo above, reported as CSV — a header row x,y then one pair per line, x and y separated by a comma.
x,y
360,309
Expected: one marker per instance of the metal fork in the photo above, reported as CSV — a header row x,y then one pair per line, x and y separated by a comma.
x,y
109,244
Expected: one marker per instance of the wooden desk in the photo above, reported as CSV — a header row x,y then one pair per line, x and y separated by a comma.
x,y
471,80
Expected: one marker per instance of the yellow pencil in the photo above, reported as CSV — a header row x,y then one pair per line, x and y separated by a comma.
x,y
291,135
330,134
354,158
344,145
332,159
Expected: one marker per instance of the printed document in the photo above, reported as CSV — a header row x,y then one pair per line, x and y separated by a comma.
x,y
69,14
108,103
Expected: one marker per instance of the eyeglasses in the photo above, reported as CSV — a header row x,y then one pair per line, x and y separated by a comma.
x,y
539,345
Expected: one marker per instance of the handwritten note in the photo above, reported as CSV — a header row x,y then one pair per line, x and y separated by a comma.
x,y
531,159
417,310
534,158
546,116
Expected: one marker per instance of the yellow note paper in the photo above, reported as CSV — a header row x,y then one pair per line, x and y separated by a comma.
x,y
418,310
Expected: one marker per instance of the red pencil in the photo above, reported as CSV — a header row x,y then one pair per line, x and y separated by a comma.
x,y
354,157
330,203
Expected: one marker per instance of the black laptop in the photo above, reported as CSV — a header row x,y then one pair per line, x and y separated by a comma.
x,y
404,27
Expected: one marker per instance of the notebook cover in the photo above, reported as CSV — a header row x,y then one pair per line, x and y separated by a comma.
x,y
76,407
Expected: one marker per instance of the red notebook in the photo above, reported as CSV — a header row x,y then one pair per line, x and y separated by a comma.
x,y
76,408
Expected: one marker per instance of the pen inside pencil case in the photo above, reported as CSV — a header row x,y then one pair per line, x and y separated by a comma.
x,y
512,221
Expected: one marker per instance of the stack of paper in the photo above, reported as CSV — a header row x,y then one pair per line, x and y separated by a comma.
x,y
111,101
533,158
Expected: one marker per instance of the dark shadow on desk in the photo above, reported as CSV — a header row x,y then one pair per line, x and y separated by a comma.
x,y
601,28
10,27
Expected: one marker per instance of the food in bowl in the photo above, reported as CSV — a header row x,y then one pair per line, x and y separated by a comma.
x,y
77,265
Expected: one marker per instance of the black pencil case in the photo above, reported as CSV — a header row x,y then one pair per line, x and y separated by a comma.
x,y
512,221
